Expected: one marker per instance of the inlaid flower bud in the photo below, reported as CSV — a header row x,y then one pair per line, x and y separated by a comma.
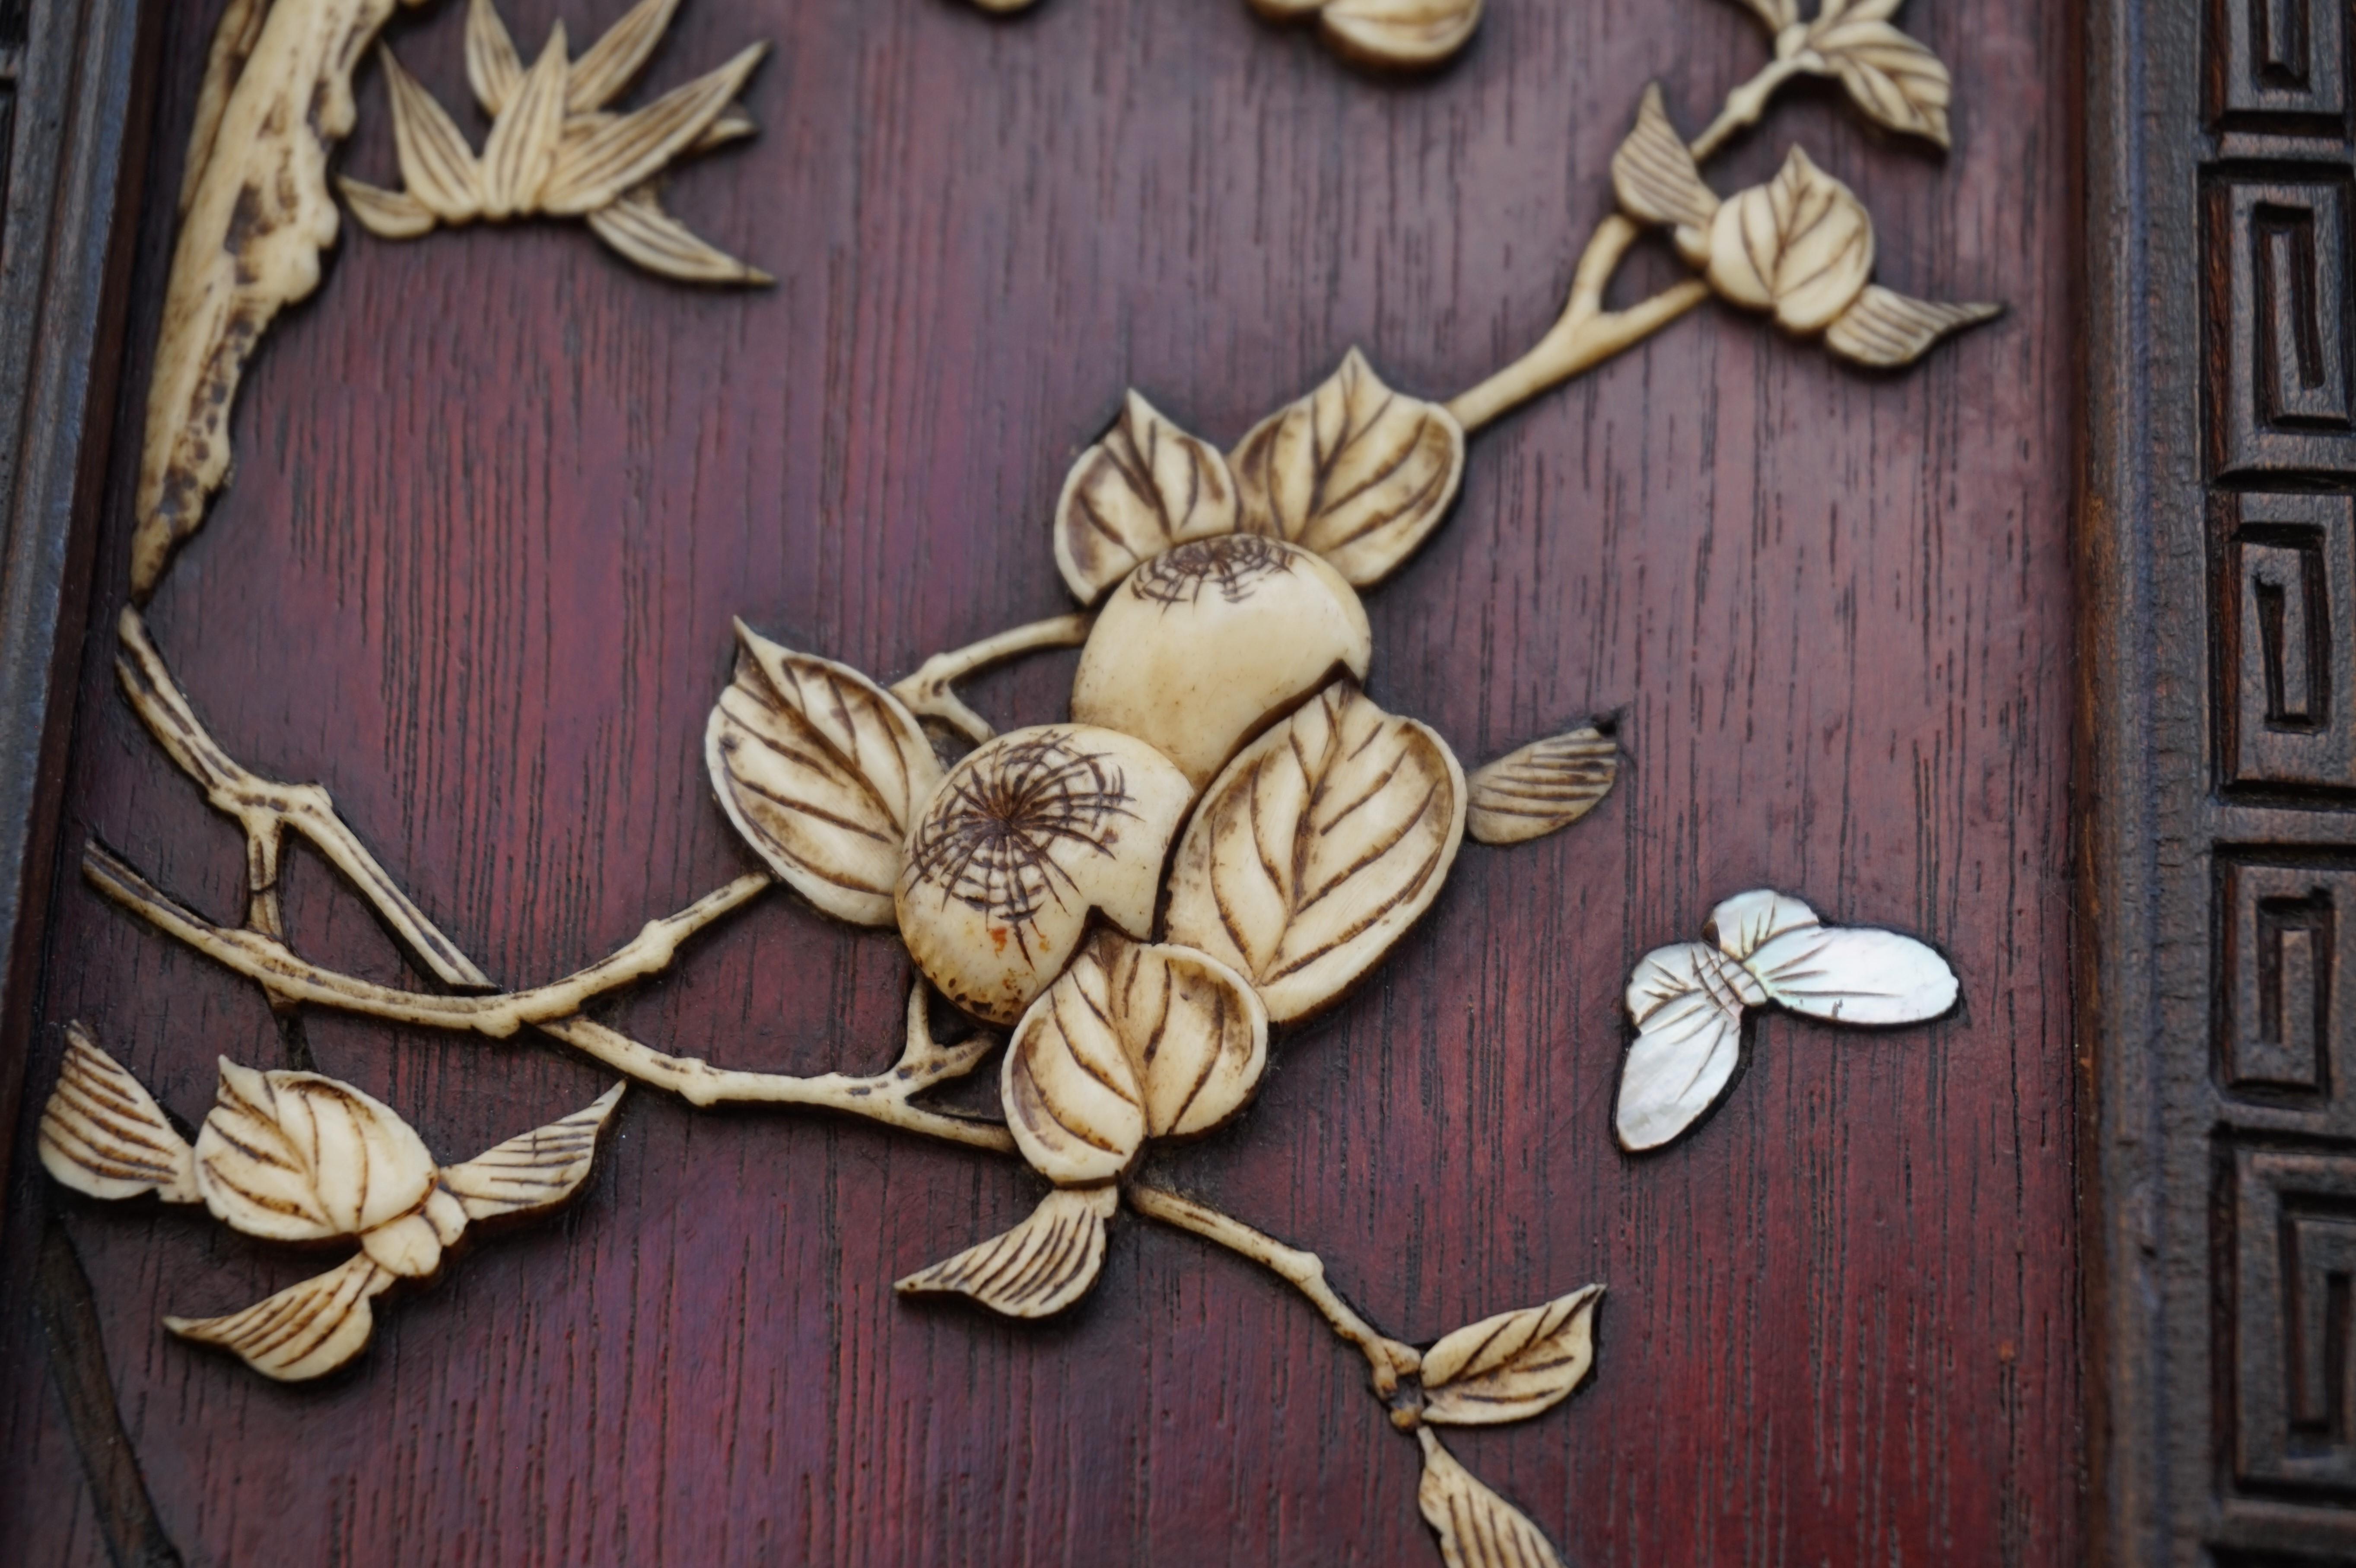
x,y
1024,839
1204,644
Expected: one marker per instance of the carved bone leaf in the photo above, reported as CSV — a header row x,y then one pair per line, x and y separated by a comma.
x,y
1687,1003
1512,1366
1317,848
293,1157
822,771
258,217
1407,33
1070,1085
1026,837
306,1331
1545,786
494,70
554,150
631,148
1477,1529
521,152
1801,245
535,1171
1353,471
1886,329
1146,487
1898,82
1034,1270
437,168
102,1133
602,74
608,67
638,230
387,213
1656,180
1134,1041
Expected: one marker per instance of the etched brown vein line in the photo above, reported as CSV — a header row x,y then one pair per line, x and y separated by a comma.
x,y
804,808
1402,834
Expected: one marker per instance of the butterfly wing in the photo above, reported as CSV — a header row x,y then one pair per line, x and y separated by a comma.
x,y
1748,922
1689,1038
1854,975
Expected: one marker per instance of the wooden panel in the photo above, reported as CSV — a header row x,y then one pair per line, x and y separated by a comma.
x,y
497,498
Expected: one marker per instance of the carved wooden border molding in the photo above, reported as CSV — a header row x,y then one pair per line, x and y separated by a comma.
x,y
1225,835
2218,959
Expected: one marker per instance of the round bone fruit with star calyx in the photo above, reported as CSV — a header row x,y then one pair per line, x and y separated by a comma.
x,y
1023,840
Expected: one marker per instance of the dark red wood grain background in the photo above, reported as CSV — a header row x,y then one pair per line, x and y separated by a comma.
x,y
496,499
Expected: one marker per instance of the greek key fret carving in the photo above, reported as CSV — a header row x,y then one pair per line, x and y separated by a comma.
x,y
2280,395
2289,710
2281,66
2293,1217
2286,1023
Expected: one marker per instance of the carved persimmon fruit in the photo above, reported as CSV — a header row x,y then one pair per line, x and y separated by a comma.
x,y
1203,644
1025,838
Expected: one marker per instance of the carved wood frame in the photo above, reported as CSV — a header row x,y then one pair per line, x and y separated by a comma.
x,y
2217,877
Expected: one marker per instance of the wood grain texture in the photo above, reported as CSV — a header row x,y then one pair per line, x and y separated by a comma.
x,y
498,496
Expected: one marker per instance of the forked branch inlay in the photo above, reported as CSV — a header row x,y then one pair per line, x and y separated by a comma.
x,y
1130,901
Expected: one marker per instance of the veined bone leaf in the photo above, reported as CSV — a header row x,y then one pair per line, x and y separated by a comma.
x,y
1132,1041
1801,245
306,1331
629,149
293,1157
823,771
1477,1529
639,231
614,62
104,1134
1897,81
1655,177
1399,32
1353,471
1886,329
521,152
437,167
533,1170
1512,1366
1317,848
494,70
1145,486
257,217
1546,785
1034,1270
